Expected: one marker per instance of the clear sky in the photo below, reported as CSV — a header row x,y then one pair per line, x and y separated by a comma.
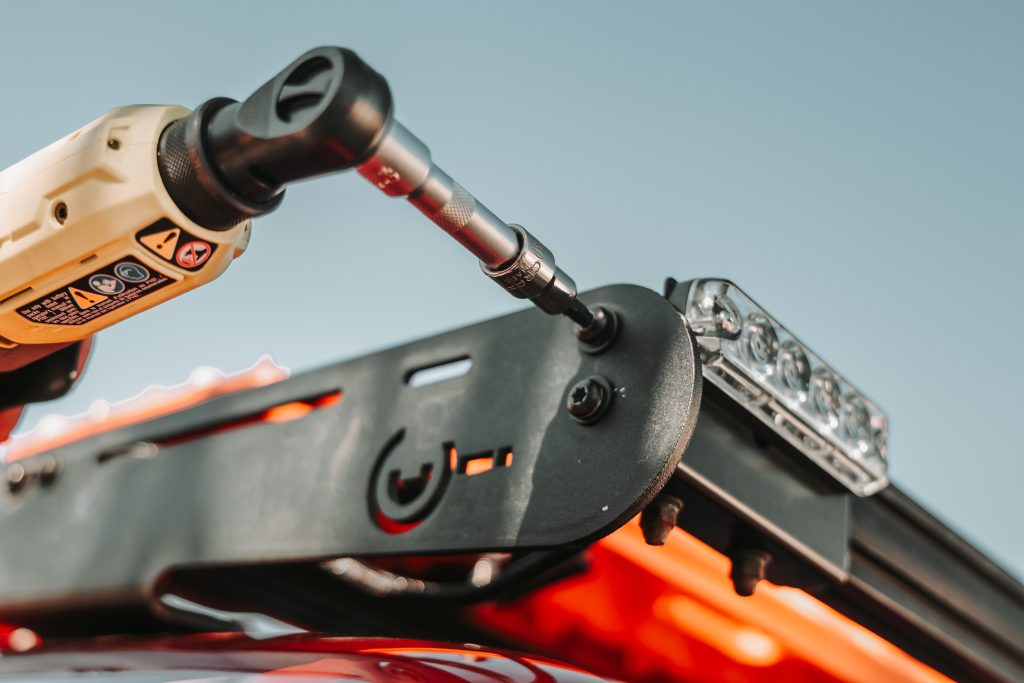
x,y
857,167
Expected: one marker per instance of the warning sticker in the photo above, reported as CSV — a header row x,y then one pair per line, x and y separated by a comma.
x,y
161,243
193,254
176,245
87,298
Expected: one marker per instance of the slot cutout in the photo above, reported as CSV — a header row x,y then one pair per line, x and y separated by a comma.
x,y
472,464
439,372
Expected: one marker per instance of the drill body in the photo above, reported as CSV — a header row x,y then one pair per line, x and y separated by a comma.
x,y
89,235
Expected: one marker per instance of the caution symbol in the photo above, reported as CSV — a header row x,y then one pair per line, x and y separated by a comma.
x,y
193,254
86,299
162,243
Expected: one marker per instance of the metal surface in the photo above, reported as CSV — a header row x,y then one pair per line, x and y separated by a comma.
x,y
882,560
533,275
385,471
738,465
916,582
401,167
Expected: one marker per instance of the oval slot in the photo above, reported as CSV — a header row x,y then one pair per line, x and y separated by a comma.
x,y
439,372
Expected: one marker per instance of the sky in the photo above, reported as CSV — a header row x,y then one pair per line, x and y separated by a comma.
x,y
855,167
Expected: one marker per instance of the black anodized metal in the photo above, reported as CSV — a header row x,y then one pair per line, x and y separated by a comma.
x,y
219,486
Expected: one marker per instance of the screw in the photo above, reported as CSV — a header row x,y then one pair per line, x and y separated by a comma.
x,y
589,399
748,569
600,333
16,476
60,212
114,144
659,518
48,469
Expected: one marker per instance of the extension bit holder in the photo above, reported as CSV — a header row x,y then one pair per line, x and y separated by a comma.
x,y
329,111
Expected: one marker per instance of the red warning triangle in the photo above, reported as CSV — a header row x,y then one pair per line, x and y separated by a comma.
x,y
86,299
162,243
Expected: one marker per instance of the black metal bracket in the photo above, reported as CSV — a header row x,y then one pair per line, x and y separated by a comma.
x,y
490,460
377,467
882,560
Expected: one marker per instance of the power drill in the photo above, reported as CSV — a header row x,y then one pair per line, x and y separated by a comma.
x,y
148,202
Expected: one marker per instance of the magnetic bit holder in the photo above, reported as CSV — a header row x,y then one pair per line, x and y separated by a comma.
x,y
329,111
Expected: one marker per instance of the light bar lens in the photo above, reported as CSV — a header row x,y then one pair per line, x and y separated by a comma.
x,y
758,362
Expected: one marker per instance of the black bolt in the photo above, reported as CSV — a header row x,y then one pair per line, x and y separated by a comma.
x,y
659,518
589,399
49,468
16,476
748,569
114,144
600,333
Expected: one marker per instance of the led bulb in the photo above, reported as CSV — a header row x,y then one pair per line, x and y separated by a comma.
x,y
855,422
825,396
760,341
715,314
793,369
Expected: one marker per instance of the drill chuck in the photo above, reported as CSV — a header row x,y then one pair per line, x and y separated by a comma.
x,y
227,161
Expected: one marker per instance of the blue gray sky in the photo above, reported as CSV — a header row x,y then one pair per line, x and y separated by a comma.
x,y
856,167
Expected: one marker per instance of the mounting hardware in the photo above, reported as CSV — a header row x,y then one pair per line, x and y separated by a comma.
x,y
659,518
748,569
49,469
588,399
16,477
600,333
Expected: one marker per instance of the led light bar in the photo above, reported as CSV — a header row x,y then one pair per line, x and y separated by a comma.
x,y
758,362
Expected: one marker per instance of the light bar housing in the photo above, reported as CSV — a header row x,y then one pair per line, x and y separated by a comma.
x,y
759,363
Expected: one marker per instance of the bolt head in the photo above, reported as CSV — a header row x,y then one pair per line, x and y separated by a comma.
x,y
748,569
589,398
599,335
16,476
659,518
49,468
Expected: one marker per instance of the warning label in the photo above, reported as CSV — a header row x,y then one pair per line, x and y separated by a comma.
x,y
86,299
161,243
193,254
105,290
175,245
